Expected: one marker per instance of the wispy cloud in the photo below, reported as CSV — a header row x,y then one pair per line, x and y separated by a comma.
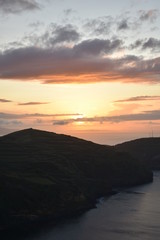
x,y
32,103
12,122
149,15
16,6
139,98
55,34
100,26
106,25
4,115
3,100
68,12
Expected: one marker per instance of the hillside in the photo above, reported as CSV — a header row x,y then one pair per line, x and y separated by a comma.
x,y
145,149
45,175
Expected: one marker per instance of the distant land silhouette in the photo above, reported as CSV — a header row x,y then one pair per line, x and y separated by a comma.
x,y
145,149
46,176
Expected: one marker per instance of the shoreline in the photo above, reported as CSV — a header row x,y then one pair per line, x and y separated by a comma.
x,y
30,228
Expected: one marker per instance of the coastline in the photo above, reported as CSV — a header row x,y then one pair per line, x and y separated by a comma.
x,y
30,227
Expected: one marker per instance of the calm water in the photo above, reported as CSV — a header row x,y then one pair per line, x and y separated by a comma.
x,y
133,214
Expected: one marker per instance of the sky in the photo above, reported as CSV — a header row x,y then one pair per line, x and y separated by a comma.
x,y
85,68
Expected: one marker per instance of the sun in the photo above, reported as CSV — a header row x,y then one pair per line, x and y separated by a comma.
x,y
79,121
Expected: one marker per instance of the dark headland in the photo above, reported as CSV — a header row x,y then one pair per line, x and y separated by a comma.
x,y
46,176
146,150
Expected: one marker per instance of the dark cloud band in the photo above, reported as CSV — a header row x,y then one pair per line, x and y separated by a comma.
x,y
4,115
88,61
144,116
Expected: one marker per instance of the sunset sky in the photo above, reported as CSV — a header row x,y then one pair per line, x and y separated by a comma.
x,y
86,68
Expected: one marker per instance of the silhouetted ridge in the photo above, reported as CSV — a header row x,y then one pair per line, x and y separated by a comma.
x,y
28,135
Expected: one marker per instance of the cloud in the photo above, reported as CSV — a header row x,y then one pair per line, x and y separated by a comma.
x,y
138,43
149,15
85,62
99,26
55,34
4,115
62,122
108,25
33,62
67,33
13,122
36,24
152,123
39,121
144,116
151,43
2,100
68,12
32,103
123,25
16,6
97,46
140,98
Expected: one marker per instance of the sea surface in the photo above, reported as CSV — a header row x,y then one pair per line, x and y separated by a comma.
x,y
132,214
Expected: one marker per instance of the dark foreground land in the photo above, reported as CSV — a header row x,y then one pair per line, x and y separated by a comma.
x,y
145,149
46,176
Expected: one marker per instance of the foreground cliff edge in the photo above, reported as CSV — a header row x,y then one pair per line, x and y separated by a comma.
x,y
46,176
